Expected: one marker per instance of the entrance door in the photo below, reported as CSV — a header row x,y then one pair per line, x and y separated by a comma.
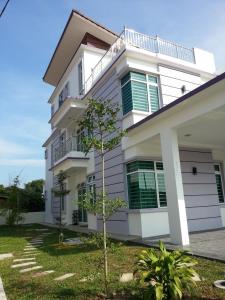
x,y
82,213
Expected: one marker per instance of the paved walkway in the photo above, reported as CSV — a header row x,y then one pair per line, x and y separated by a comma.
x,y
208,244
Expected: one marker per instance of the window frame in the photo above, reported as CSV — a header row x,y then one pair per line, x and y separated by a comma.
x,y
80,76
220,173
156,172
148,83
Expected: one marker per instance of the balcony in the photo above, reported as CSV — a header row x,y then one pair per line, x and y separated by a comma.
x,y
139,40
69,110
69,156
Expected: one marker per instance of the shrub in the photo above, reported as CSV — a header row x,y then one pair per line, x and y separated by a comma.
x,y
164,275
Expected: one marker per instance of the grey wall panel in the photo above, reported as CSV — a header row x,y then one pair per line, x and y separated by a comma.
x,y
110,88
199,178
202,213
115,170
201,167
200,191
119,227
201,201
204,224
111,179
195,155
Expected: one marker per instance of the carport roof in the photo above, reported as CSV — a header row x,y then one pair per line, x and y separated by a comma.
x,y
183,98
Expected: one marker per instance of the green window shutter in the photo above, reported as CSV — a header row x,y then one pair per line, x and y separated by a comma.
x,y
219,188
133,191
125,78
154,98
152,78
147,187
140,96
138,76
140,165
161,189
127,97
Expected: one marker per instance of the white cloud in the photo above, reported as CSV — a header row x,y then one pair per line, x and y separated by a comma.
x,y
9,149
22,162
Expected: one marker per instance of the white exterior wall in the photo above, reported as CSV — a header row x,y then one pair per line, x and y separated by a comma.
x,y
29,218
148,224
48,186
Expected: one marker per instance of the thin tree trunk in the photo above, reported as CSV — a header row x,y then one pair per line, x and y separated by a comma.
x,y
104,223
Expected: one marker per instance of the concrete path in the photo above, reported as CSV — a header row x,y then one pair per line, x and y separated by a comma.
x,y
30,269
5,255
44,273
63,277
24,259
2,291
23,264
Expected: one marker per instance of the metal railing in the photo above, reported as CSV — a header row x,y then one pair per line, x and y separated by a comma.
x,y
158,45
71,144
140,40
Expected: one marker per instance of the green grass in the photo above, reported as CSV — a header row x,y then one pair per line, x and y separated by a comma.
x,y
83,261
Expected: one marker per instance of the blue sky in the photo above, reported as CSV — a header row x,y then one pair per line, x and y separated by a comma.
x,y
29,31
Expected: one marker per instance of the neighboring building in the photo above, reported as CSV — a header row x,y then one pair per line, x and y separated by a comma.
x,y
169,167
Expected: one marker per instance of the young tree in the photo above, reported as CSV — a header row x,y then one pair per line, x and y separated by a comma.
x,y
103,135
11,207
61,192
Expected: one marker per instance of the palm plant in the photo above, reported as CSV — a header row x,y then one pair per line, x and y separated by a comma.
x,y
165,275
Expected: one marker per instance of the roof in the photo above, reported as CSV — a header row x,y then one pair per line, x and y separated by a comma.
x,y
185,97
76,27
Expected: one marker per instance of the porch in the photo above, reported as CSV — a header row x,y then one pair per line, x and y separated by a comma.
x,y
188,137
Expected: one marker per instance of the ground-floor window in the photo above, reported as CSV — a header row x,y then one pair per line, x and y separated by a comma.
x,y
91,188
219,182
146,184
82,213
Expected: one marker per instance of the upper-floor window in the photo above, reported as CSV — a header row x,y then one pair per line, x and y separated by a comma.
x,y
64,94
80,78
140,92
146,184
219,182
52,110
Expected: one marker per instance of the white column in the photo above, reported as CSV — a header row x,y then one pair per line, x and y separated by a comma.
x,y
174,187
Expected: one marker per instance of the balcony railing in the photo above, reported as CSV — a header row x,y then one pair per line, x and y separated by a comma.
x,y
71,144
136,39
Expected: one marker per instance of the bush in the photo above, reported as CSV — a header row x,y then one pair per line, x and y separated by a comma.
x,y
164,275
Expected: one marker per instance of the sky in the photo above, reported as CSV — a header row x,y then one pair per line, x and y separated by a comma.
x,y
29,32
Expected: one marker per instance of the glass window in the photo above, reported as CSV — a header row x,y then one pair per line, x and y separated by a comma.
x,y
140,92
146,185
80,78
219,182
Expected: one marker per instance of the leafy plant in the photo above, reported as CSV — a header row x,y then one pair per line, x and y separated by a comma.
x,y
103,135
60,191
164,275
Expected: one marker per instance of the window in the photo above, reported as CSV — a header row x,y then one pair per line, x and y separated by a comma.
x,y
91,188
64,94
80,78
146,185
80,136
52,110
82,213
140,92
46,153
219,182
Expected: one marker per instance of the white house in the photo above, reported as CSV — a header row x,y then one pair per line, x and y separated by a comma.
x,y
170,166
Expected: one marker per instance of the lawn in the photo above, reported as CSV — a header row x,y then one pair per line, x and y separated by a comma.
x,y
85,262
